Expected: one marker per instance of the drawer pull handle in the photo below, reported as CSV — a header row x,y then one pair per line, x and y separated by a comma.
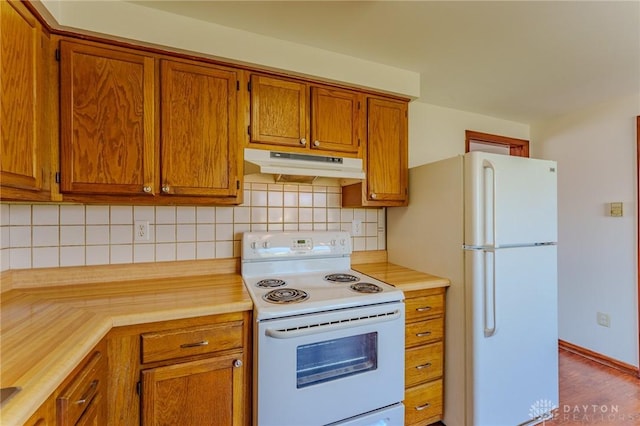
x,y
425,309
422,407
420,367
89,393
194,345
423,334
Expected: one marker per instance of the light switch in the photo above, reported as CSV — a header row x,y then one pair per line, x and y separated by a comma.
x,y
616,209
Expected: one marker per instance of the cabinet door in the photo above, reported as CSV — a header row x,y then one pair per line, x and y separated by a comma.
x,y
279,112
196,393
45,415
21,81
199,122
387,164
335,120
107,120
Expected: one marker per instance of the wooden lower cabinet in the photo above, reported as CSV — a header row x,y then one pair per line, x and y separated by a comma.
x,y
424,356
45,415
192,371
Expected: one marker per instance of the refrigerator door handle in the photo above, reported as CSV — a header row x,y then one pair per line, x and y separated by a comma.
x,y
490,296
489,165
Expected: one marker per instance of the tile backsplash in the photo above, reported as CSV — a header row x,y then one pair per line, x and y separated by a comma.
x,y
52,235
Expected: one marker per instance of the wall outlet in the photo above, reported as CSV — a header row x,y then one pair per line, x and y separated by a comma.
x,y
603,319
141,230
356,228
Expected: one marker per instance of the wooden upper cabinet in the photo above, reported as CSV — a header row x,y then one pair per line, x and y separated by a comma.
x,y
335,120
23,146
107,120
199,139
279,112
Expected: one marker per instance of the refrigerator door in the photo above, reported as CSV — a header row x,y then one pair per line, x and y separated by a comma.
x,y
512,335
509,201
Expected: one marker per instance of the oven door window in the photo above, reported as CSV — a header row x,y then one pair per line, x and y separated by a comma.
x,y
333,359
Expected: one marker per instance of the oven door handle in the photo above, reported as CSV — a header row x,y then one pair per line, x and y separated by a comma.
x,y
325,327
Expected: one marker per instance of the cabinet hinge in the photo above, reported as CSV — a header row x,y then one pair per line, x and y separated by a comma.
x,y
58,55
139,388
249,86
57,177
238,85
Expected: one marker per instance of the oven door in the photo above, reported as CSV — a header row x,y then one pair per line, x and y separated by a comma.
x,y
326,367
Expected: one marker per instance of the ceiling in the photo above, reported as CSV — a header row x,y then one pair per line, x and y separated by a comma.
x,y
525,61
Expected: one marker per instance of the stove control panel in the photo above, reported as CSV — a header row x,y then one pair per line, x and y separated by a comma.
x,y
295,244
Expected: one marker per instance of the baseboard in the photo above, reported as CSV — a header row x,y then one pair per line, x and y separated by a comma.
x,y
599,358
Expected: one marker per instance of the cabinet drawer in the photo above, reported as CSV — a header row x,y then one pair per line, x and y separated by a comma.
x,y
423,307
426,331
169,344
423,402
423,364
78,395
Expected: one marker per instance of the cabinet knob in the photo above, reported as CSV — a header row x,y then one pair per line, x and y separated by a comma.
x,y
303,141
316,143
165,189
374,195
146,189
237,363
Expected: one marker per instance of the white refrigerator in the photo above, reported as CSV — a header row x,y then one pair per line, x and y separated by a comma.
x,y
488,222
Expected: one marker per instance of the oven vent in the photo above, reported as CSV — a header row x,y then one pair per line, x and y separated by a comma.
x,y
332,325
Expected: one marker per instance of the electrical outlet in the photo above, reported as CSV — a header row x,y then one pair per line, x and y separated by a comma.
x,y
356,228
141,230
603,319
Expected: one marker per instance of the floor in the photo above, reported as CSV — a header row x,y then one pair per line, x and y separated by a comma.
x,y
594,395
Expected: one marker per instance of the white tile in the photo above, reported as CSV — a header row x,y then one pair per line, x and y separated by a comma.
x,y
144,253
337,189
165,215
275,187
319,215
46,257
147,213
45,236
275,227
275,199
305,188
97,215
371,215
333,226
185,251
71,235
205,214
319,226
224,214
20,258
258,198
5,240
290,188
121,253
305,199
186,233
4,214
258,214
224,249
291,226
333,215
46,214
19,236
205,232
360,214
290,215
346,215
241,215
371,243
359,244
382,241
152,236
319,188
97,255
72,256
121,215
259,186
370,229
382,218
121,234
239,229
257,227
71,215
186,214
274,215
319,199
165,252
290,199
97,235
305,215
224,232
334,200
246,197
305,226
206,250
165,233
5,259
19,214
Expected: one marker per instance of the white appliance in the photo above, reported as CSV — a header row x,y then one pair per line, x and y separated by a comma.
x,y
328,341
488,222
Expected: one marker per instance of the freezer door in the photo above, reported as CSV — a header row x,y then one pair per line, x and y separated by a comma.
x,y
512,338
509,201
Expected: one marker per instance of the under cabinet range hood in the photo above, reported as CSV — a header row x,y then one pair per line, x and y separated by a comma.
x,y
294,167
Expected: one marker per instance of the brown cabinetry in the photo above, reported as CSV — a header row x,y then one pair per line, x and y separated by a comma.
x,y
140,127
293,115
385,157
45,415
188,372
24,141
424,356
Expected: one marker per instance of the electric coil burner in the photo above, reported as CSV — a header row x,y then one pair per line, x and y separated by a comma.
x,y
323,332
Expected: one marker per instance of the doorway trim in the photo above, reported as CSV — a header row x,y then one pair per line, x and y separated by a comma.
x,y
517,147
638,221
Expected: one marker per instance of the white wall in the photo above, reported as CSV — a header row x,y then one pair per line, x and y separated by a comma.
x,y
436,133
597,260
